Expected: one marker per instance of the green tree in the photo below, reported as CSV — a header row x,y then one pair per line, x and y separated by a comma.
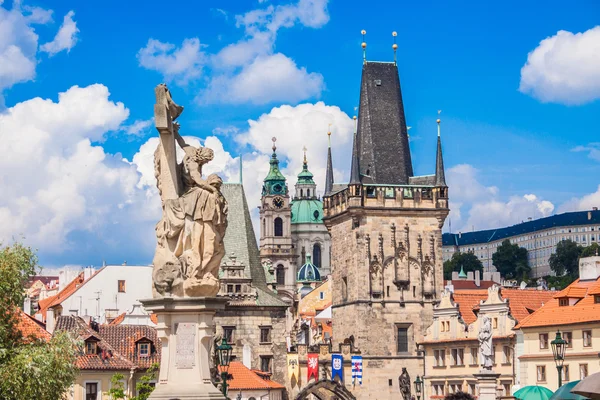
x,y
469,261
143,387
511,261
589,251
565,260
29,368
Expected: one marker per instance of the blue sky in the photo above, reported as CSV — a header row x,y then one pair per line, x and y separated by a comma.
x,y
77,172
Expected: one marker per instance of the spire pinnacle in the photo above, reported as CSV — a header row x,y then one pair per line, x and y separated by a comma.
x,y
394,46
329,171
329,135
438,122
241,169
355,168
364,45
440,176
304,150
274,139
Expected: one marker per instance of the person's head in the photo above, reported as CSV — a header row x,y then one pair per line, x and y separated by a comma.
x,y
215,181
459,396
204,155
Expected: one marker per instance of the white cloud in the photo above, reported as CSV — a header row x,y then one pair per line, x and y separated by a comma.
x,y
139,127
178,64
65,38
476,206
267,79
64,194
593,150
564,68
586,202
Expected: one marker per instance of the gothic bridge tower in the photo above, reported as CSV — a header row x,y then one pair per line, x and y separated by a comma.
x,y
386,239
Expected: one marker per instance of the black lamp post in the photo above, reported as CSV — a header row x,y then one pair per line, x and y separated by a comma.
x,y
224,352
559,346
418,387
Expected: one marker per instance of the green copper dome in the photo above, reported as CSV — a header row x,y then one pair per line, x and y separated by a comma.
x,y
305,176
309,272
274,183
462,274
307,211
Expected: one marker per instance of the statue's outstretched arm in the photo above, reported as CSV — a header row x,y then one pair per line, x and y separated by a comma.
x,y
178,137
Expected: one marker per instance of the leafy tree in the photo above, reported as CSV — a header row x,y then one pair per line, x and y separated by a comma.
x,y
559,282
511,261
565,261
117,387
589,251
29,368
469,261
144,387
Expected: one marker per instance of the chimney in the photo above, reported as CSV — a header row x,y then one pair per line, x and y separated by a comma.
x,y
459,234
87,273
594,208
61,279
27,305
589,215
477,278
50,322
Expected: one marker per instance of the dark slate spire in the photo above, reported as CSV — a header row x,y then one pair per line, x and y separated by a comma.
x,y
383,153
329,173
355,168
440,176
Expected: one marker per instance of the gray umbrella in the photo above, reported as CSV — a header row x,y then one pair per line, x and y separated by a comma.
x,y
589,387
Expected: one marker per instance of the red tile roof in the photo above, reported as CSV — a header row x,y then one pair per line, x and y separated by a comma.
x,y
60,296
552,314
247,379
571,291
31,328
520,302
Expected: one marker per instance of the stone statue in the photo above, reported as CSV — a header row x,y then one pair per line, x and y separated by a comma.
x,y
404,384
485,343
191,231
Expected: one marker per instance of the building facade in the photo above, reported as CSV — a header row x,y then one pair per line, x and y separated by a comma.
x,y
539,237
386,240
276,248
309,234
575,312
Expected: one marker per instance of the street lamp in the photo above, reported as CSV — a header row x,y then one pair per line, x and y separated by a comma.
x,y
559,346
418,387
224,353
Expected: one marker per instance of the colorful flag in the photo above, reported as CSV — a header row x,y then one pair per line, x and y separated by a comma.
x,y
293,366
337,367
357,369
313,366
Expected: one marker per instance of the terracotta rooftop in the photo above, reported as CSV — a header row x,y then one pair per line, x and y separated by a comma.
x,y
247,379
552,314
60,296
521,302
571,291
31,328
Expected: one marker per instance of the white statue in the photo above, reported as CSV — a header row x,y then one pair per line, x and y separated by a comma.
x,y
191,231
485,343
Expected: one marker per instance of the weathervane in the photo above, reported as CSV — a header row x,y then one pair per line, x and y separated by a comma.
x,y
364,45
394,46
438,122
274,139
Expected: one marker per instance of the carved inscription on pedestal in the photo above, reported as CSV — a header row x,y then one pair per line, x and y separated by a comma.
x,y
185,354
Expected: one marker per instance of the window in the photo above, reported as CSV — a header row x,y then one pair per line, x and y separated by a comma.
x,y
587,338
280,275
440,358
437,389
541,373
229,288
144,349
495,323
228,333
307,192
568,337
371,190
402,339
91,347
543,340
474,355
472,389
91,391
321,295
458,357
389,193
238,288
563,302
583,371
278,225
345,288
454,388
597,298
506,354
316,259
265,363
121,286
265,334
565,373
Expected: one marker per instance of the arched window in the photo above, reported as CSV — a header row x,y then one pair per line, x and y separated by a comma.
x,y
301,193
280,275
307,192
317,255
278,225
264,226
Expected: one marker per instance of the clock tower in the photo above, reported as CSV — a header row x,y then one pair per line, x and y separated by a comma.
x,y
276,249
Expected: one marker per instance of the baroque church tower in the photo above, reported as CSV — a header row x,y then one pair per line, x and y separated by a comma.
x,y
276,248
386,239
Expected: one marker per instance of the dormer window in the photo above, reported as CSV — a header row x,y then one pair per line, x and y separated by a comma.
x,y
144,349
597,298
91,347
563,302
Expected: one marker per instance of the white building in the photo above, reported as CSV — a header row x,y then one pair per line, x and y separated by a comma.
x,y
102,295
539,237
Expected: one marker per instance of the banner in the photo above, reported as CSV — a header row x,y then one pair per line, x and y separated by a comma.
x,y
313,366
293,366
337,367
357,369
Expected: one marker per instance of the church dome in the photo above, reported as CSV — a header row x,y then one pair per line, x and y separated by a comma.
x,y
309,272
307,211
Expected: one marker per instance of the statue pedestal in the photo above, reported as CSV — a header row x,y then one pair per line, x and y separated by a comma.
x,y
487,383
185,327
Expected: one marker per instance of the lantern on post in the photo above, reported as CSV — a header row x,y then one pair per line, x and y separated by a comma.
x,y
559,345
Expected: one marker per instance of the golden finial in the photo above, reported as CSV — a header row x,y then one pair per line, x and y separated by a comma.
x,y
304,150
355,124
274,139
394,46
329,135
364,45
438,121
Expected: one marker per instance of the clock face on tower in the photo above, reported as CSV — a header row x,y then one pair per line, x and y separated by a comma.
x,y
278,202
